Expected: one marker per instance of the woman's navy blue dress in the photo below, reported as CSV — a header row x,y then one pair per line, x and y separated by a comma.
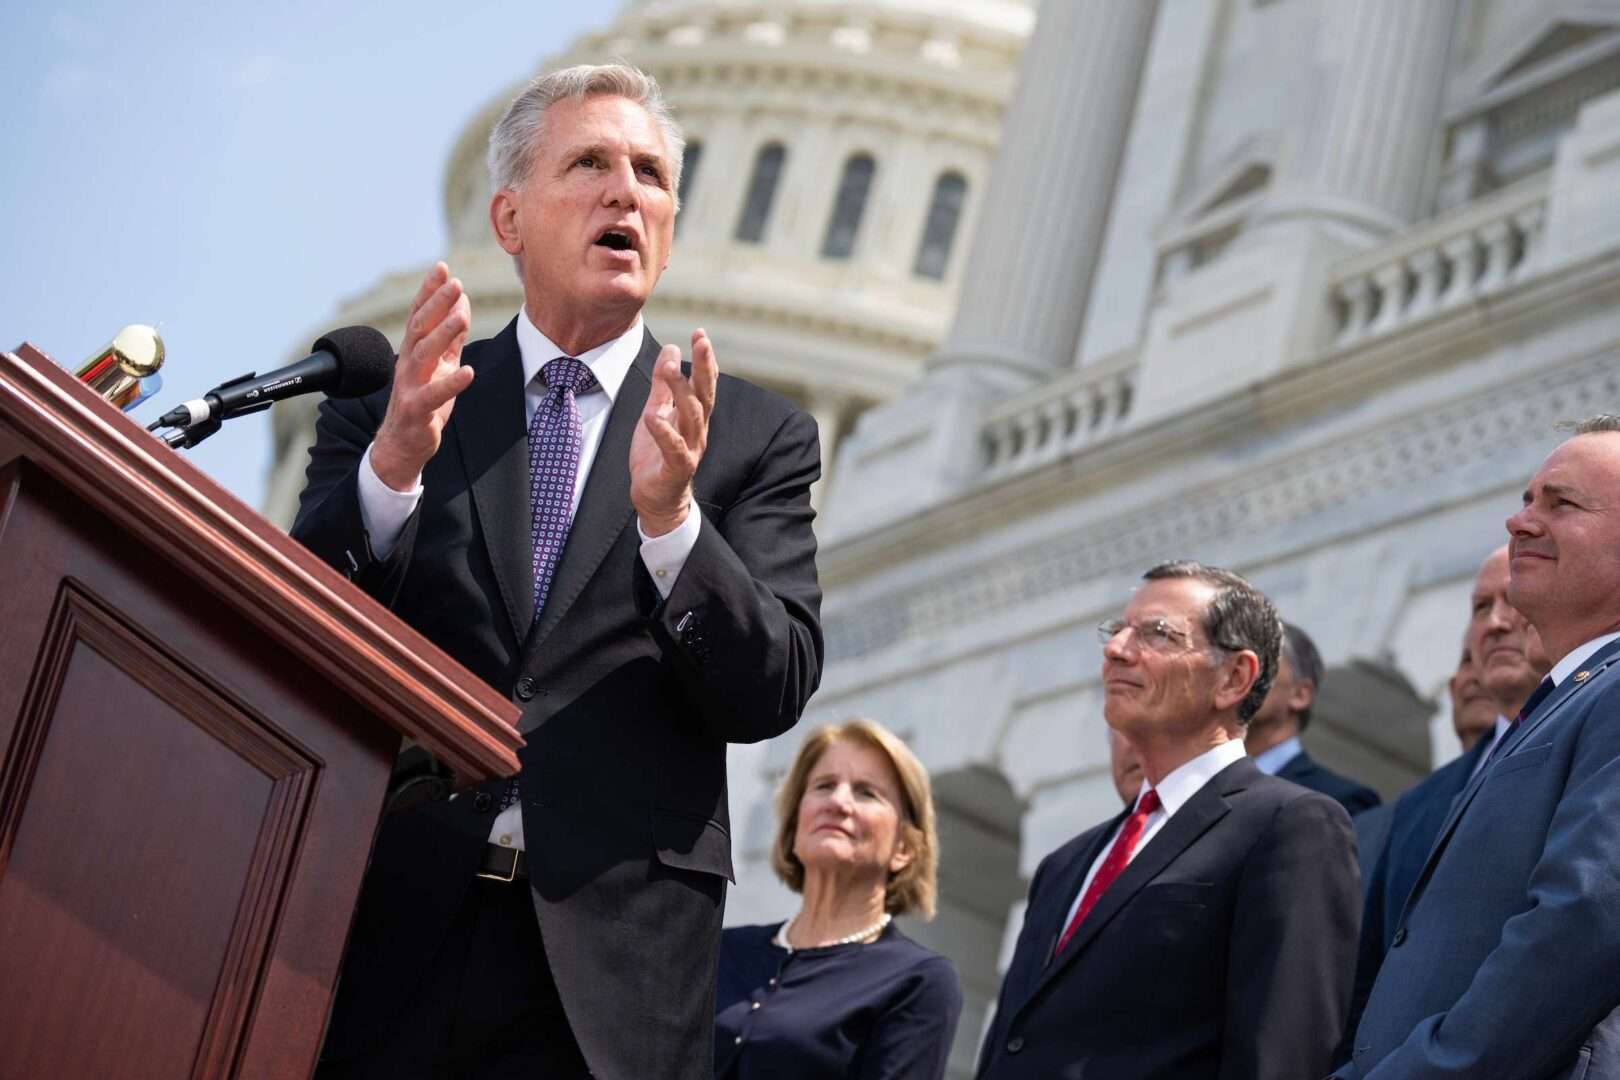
x,y
884,1010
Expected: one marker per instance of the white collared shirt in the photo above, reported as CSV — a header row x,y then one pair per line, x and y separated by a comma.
x,y
1577,656
384,511
1271,761
1174,791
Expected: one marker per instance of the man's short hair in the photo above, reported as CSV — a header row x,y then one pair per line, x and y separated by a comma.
x,y
1238,617
518,132
1305,662
1593,425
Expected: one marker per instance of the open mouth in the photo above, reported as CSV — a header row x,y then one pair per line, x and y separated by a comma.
x,y
615,240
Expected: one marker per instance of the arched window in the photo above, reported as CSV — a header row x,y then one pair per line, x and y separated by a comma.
x,y
690,157
944,214
761,191
848,207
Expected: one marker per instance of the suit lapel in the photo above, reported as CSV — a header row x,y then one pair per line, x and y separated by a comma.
x,y
1048,912
604,508
1511,742
1207,806
488,420
1056,917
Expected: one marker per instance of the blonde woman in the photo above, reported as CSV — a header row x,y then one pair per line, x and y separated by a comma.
x,y
837,990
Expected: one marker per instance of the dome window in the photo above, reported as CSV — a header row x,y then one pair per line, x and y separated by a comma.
x,y
690,158
848,207
944,214
761,193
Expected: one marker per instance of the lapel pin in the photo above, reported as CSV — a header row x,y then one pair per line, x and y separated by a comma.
x,y
1582,676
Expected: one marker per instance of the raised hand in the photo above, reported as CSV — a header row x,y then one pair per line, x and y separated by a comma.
x,y
670,439
427,379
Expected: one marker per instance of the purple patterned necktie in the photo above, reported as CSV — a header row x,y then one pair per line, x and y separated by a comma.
x,y
554,444
555,438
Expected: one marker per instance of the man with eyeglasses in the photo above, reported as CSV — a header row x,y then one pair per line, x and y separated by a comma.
x,y
1210,929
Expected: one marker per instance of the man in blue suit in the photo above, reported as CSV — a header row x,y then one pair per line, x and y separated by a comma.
x,y
1510,667
1505,959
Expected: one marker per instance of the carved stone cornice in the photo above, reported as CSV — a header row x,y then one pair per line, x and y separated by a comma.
x,y
1285,494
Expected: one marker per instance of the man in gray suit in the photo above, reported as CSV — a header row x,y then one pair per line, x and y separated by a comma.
x,y
1505,960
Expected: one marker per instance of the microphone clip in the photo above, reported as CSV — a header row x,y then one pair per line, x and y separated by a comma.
x,y
183,438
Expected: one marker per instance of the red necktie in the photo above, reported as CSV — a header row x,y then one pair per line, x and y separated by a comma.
x,y
1113,864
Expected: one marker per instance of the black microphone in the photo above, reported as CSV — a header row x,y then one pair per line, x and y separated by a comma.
x,y
349,362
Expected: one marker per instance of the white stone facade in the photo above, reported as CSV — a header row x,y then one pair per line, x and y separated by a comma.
x,y
1358,258
1297,287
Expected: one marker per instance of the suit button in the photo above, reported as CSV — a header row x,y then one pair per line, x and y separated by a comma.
x,y
1399,938
1015,1044
525,688
482,802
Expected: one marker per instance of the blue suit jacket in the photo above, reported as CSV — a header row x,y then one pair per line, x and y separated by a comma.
x,y
1415,822
1505,959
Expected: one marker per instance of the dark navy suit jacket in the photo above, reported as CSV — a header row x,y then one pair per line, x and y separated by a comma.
x,y
1505,959
1222,952
1303,770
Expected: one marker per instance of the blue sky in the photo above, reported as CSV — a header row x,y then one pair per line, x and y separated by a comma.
x,y
230,172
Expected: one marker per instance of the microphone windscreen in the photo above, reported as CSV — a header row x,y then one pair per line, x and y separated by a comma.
x,y
365,360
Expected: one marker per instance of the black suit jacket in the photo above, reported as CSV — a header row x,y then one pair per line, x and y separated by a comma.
x,y
1223,950
628,701
1303,770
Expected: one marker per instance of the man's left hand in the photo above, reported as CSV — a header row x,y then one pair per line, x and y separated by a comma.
x,y
670,439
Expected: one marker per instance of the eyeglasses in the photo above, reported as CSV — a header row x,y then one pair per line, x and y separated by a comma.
x,y
1155,634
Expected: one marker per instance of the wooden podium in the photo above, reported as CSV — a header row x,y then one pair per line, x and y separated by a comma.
x,y
197,725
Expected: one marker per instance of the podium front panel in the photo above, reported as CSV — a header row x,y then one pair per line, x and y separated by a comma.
x,y
177,866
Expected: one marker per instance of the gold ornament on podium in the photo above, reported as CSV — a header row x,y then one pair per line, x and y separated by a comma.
x,y
124,371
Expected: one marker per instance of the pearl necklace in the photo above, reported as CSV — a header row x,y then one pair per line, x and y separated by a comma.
x,y
781,940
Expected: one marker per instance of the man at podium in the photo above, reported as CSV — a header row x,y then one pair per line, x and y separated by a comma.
x,y
623,543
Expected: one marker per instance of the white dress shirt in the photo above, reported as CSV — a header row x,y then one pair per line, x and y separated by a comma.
x,y
1174,791
384,511
1577,656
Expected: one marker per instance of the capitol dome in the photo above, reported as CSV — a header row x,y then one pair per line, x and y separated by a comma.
x,y
836,155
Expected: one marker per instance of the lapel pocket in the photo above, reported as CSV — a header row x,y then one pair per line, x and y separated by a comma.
x,y
1527,757
1196,893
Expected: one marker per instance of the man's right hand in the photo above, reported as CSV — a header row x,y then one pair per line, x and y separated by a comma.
x,y
427,379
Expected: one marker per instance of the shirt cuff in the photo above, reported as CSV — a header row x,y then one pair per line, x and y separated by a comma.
x,y
384,511
664,556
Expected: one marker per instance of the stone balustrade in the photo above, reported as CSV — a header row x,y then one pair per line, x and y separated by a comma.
x,y
1457,259
1057,418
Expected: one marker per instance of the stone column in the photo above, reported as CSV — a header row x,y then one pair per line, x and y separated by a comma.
x,y
1384,123
1040,225
830,410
